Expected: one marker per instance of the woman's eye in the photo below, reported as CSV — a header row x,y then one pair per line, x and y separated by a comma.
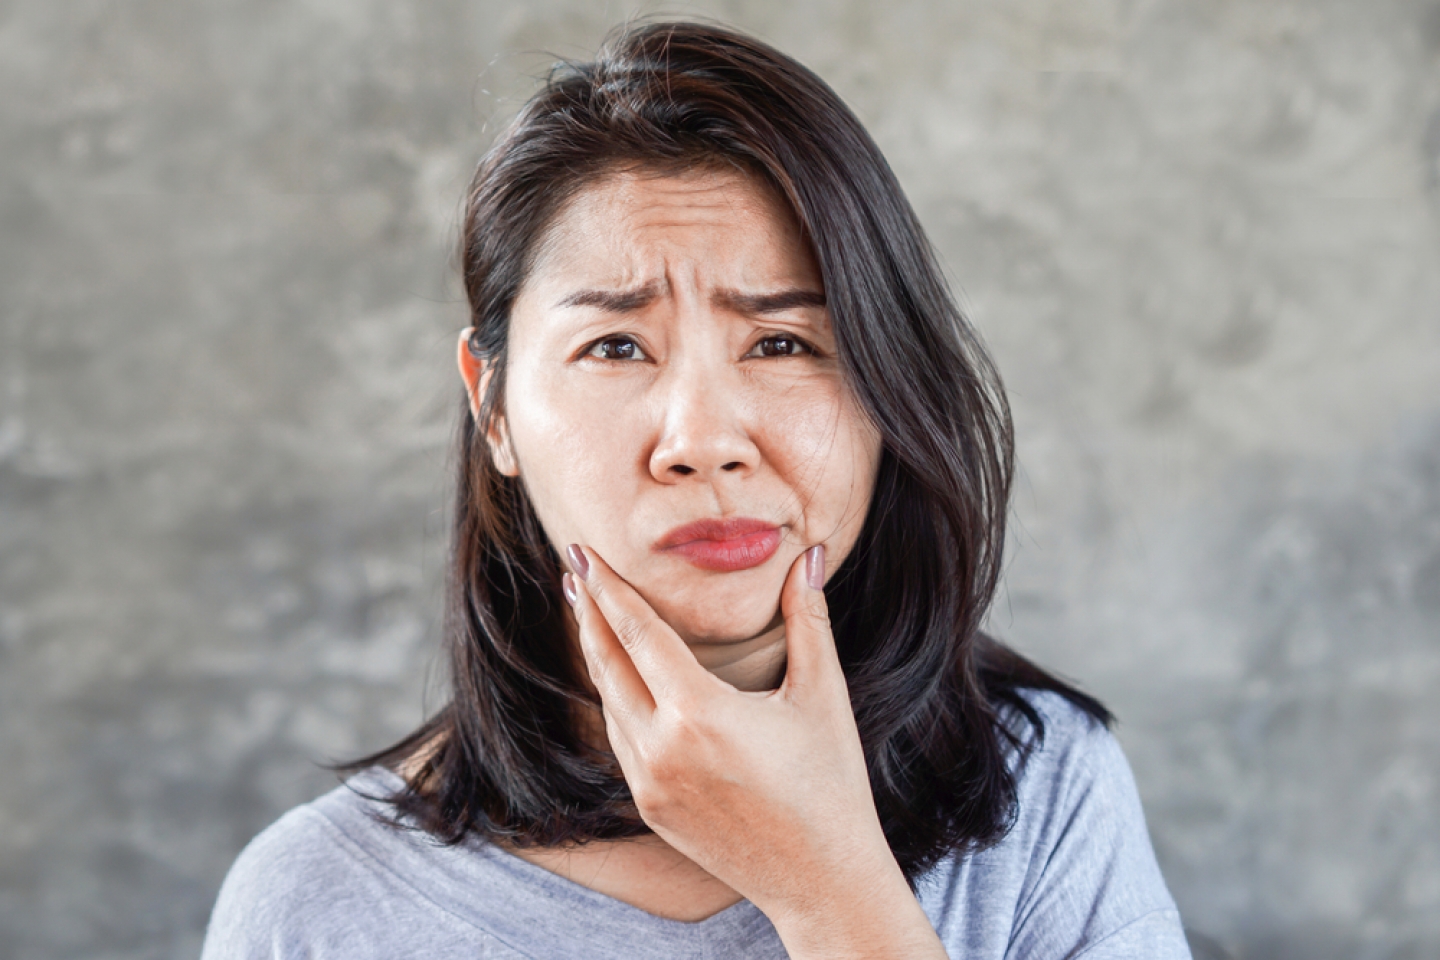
x,y
617,348
781,345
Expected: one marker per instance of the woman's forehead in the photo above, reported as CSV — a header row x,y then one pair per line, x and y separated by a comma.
x,y
636,228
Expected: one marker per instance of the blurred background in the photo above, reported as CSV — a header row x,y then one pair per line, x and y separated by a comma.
x,y
1202,238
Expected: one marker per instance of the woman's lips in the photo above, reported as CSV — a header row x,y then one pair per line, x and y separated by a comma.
x,y
725,545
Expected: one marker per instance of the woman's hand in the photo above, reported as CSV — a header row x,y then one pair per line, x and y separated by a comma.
x,y
768,792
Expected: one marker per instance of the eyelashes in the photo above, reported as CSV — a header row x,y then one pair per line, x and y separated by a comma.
x,y
623,348
787,341
616,348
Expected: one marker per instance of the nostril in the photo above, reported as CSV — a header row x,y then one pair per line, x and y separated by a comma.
x,y
683,470
732,465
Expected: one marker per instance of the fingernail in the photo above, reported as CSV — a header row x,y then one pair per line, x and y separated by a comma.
x,y
578,561
815,566
567,586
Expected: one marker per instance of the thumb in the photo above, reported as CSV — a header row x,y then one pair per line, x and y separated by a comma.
x,y
809,644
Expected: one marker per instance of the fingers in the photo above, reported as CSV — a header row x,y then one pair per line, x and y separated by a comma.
x,y
622,691
655,651
809,645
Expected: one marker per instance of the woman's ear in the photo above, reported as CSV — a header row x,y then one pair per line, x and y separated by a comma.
x,y
476,374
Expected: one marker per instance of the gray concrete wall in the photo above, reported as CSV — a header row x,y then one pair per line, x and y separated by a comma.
x,y
1201,237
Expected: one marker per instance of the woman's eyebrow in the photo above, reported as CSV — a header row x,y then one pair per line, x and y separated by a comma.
x,y
760,303
751,304
614,301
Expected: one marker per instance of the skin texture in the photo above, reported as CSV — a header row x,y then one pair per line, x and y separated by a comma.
x,y
651,383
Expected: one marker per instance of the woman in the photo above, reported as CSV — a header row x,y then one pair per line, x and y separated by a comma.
x,y
733,479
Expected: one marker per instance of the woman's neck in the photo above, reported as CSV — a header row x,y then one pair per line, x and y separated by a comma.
x,y
645,872
755,664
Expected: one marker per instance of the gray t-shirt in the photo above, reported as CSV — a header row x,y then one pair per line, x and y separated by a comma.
x,y
1075,877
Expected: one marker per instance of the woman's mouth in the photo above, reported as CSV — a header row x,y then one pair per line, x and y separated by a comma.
x,y
723,545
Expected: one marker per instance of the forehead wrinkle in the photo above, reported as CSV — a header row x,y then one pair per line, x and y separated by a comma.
x,y
633,229
704,196
662,215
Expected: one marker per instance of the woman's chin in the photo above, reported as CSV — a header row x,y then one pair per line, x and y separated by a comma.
x,y
707,615
730,628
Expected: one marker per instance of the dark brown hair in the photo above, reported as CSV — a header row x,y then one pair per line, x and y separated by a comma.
x,y
505,759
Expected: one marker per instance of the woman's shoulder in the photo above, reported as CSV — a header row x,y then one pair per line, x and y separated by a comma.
x,y
277,882
328,828
1059,737
1071,775
329,878
1076,869
305,843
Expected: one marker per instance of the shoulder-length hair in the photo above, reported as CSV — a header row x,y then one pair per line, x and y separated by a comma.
x,y
506,759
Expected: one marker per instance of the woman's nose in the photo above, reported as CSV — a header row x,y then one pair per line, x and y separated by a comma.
x,y
703,429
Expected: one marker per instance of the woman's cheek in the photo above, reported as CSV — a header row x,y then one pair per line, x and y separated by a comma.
x,y
816,446
570,457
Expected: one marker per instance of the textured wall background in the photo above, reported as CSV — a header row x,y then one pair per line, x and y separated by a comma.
x,y
1200,235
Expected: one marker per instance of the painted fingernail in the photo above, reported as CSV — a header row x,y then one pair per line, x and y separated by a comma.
x,y
815,566
578,561
567,586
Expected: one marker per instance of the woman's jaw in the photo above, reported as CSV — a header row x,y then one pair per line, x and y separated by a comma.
x,y
730,620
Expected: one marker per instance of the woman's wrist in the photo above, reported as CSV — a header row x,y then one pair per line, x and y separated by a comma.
x,y
872,915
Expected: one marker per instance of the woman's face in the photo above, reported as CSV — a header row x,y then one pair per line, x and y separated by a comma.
x,y
671,361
